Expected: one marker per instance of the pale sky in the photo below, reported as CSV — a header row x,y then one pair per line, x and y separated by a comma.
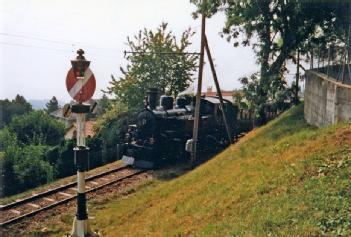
x,y
38,38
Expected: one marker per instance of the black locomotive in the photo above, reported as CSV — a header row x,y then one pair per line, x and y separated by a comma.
x,y
161,133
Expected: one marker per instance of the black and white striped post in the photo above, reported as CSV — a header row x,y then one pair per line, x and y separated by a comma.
x,y
81,88
81,226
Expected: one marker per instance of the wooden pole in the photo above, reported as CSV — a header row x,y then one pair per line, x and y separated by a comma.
x,y
297,77
198,94
214,74
328,62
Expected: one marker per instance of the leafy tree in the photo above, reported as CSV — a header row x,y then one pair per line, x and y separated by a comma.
x,y
256,102
103,104
9,153
238,98
110,128
32,169
153,67
8,179
22,101
95,151
37,127
9,108
52,105
277,28
22,167
65,164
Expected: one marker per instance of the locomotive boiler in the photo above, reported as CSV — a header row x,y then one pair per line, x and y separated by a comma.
x,y
160,133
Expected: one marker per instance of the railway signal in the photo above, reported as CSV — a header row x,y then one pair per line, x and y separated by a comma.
x,y
80,83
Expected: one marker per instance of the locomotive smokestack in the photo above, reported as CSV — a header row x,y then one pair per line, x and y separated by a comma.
x,y
152,97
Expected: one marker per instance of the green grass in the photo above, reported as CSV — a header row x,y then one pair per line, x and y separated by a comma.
x,y
284,179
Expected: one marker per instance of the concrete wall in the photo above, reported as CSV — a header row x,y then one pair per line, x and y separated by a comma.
x,y
326,101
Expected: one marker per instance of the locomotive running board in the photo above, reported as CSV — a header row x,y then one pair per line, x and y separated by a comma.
x,y
144,164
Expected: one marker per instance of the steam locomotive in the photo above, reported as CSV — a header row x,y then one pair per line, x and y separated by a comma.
x,y
161,133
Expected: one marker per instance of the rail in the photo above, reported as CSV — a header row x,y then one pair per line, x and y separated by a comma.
x,y
62,194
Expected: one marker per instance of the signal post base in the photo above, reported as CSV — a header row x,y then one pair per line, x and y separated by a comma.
x,y
81,228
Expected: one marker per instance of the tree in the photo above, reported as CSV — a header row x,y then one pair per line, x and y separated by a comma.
x,y
103,104
65,164
152,66
37,128
278,28
23,102
32,170
9,108
9,153
238,98
110,129
52,105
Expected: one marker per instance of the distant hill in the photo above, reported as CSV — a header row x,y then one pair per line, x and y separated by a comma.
x,y
41,104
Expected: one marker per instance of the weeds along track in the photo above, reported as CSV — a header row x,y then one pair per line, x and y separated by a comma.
x,y
16,211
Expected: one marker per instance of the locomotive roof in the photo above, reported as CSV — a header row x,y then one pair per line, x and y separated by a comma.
x,y
215,99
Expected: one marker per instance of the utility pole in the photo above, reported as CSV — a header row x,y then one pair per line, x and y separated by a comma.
x,y
214,74
297,77
198,94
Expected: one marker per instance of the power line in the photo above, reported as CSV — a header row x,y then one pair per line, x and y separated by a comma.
x,y
73,44
33,46
36,38
53,49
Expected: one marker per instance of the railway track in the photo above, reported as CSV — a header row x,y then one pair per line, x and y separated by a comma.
x,y
16,211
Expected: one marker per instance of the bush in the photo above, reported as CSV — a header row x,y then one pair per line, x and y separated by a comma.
x,y
36,127
65,163
9,152
95,154
110,129
32,169
22,168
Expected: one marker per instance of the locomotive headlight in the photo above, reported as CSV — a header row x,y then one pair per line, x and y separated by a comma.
x,y
151,140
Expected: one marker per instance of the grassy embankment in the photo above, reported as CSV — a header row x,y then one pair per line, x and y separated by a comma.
x,y
284,179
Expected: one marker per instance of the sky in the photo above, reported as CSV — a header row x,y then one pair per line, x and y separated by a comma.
x,y
38,38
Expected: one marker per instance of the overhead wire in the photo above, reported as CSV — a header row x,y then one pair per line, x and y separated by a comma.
x,y
73,44
32,46
52,49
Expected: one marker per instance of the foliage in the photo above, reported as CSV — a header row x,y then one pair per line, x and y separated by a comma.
x,y
95,152
103,104
64,165
276,29
32,169
22,167
256,102
239,99
37,127
52,105
29,145
10,152
109,129
151,66
9,108
33,151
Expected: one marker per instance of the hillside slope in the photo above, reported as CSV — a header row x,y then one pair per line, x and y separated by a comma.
x,y
284,179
